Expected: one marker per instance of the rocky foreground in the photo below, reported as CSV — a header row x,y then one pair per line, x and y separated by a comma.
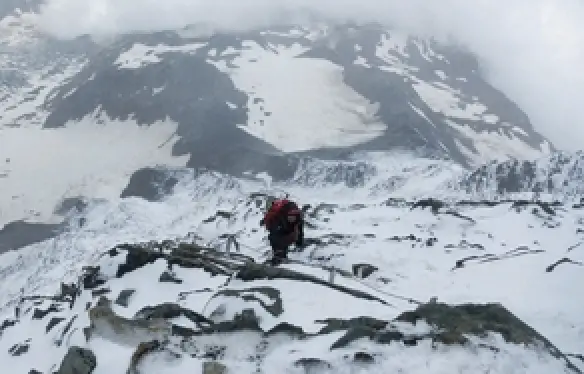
x,y
190,306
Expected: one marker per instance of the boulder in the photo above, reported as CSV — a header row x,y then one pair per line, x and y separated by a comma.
x,y
78,361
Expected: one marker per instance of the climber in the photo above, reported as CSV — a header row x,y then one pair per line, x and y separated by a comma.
x,y
285,225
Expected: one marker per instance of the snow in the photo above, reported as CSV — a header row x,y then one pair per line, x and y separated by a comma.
x,y
362,61
140,54
81,159
494,145
446,101
441,74
414,270
395,42
23,106
519,130
309,95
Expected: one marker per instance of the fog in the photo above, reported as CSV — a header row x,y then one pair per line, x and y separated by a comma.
x,y
532,50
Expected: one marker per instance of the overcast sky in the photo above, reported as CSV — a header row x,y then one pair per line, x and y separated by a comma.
x,y
532,49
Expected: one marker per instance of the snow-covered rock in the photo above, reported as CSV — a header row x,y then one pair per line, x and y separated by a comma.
x,y
471,285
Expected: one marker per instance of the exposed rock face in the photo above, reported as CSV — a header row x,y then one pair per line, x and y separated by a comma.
x,y
15,235
560,173
106,323
150,184
78,361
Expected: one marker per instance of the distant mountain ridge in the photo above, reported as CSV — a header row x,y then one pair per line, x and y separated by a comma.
x,y
269,94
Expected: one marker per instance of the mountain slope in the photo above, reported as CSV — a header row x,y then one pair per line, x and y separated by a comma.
x,y
519,254
298,90
258,101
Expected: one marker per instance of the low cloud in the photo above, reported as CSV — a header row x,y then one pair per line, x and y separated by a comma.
x,y
532,50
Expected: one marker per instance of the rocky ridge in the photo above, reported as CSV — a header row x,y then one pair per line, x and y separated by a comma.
x,y
189,303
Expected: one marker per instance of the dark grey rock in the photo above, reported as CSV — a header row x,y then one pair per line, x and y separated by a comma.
x,y
7,323
142,350
364,270
40,313
214,368
244,321
78,361
559,172
18,234
564,260
312,365
100,292
150,184
472,319
91,277
275,308
363,357
54,322
71,204
253,271
136,257
124,297
19,349
171,310
168,277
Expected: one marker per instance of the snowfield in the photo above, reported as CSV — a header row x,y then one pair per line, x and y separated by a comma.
x,y
299,104
40,167
404,254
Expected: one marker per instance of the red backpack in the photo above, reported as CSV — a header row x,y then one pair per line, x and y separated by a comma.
x,y
276,209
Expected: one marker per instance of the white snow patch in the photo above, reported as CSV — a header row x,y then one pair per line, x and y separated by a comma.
x,y
546,147
360,60
491,119
157,90
396,42
493,145
441,74
391,50
81,159
140,54
301,93
229,51
444,99
519,130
